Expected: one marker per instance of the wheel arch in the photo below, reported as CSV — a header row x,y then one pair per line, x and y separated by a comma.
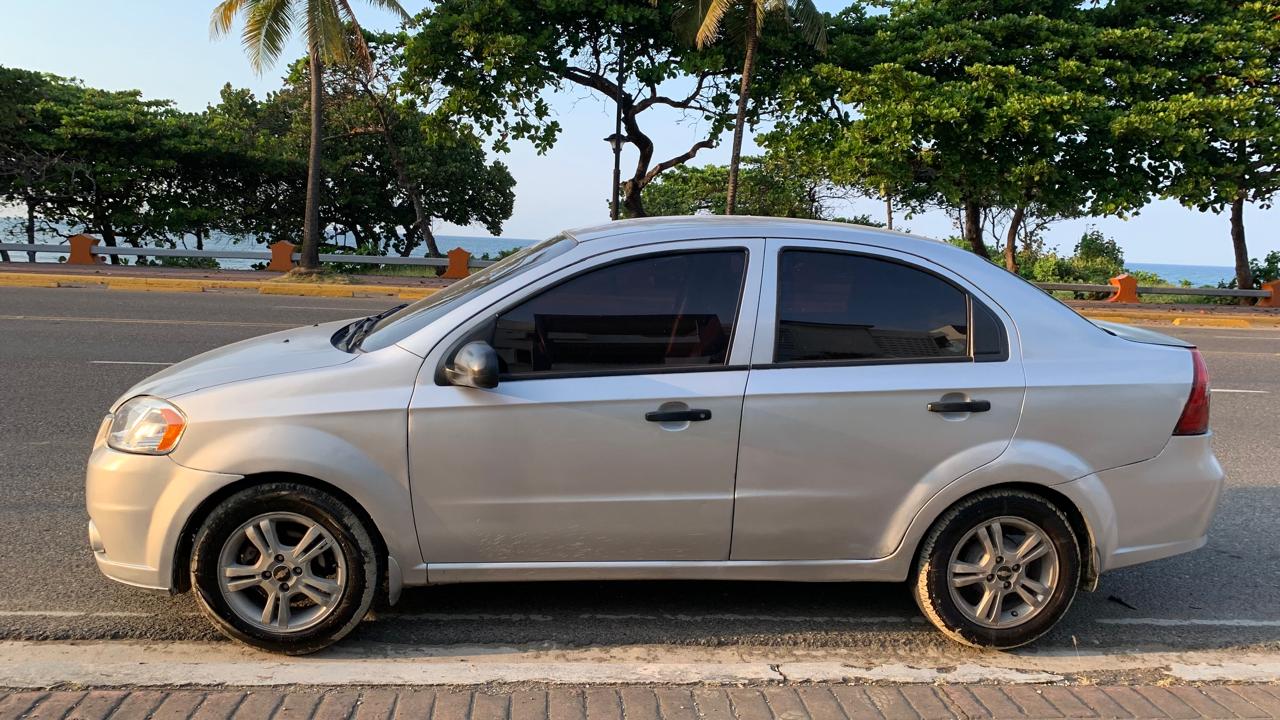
x,y
1090,563
181,581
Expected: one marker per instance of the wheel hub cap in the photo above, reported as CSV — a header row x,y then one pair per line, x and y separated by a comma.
x,y
1003,572
282,572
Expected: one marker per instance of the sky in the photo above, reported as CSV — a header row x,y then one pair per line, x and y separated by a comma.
x,y
163,48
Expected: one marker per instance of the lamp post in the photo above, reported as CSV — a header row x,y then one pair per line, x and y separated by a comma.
x,y
616,141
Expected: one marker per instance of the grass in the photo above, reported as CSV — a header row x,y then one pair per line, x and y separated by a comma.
x,y
324,276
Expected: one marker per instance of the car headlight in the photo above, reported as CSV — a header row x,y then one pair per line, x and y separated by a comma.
x,y
146,425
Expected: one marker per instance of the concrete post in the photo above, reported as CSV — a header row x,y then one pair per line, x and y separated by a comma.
x,y
1126,287
281,256
459,259
81,250
1274,300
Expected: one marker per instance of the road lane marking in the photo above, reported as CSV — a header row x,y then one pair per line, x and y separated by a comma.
x,y
371,306
142,321
76,613
1253,392
1246,337
127,362
1189,622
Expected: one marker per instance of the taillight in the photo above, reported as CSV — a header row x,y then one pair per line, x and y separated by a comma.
x,y
1195,414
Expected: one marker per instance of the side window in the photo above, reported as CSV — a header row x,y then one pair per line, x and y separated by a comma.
x,y
839,306
649,313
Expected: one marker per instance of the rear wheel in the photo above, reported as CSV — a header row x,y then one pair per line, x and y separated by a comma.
x,y
284,567
998,570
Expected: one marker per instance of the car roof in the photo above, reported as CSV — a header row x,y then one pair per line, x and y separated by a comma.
x,y
716,226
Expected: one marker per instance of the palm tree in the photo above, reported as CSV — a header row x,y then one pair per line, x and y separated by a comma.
x,y
267,26
712,14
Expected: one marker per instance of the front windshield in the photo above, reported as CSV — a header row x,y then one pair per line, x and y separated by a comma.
x,y
412,318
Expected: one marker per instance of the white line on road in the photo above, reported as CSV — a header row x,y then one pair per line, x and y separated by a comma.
x,y
365,308
127,362
142,321
1253,392
70,614
1246,337
1188,622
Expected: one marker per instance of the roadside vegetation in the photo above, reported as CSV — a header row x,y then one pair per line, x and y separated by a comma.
x,y
1010,116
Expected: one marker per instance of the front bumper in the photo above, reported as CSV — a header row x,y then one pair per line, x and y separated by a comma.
x,y
138,506
1152,509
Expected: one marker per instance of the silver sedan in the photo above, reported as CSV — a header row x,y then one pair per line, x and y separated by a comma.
x,y
712,398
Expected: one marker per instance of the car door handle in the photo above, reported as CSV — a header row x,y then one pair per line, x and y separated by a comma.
x,y
965,406
678,415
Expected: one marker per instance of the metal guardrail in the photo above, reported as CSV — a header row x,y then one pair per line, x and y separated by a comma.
x,y
1157,290
237,254
1125,294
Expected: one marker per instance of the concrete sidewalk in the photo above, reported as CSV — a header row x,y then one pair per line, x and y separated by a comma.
x,y
818,702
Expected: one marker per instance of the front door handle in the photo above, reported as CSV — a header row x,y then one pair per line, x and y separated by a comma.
x,y
678,415
962,406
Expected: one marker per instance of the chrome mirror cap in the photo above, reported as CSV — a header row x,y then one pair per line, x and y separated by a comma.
x,y
475,365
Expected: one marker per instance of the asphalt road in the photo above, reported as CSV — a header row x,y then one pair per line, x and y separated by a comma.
x,y
65,354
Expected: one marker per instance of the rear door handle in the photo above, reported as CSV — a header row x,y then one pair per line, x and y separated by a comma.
x,y
678,415
964,406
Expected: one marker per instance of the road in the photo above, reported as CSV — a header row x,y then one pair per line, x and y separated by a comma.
x,y
67,353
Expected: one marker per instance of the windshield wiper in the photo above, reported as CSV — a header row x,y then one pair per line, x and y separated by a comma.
x,y
357,331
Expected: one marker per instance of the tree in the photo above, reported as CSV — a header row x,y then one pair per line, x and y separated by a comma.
x,y
493,63
769,187
1211,118
267,26
973,106
810,22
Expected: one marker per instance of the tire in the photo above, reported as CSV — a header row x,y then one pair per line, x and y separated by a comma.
x,y
966,535
323,583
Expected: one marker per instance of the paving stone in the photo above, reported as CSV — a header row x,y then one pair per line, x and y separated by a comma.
x,y
855,702
489,706
414,705
1233,702
529,705
892,704
54,706
566,704
16,704
712,704
1066,702
178,705
639,703
1032,701
928,702
1196,699
1099,702
452,705
675,704
1168,703
603,704
1136,705
297,706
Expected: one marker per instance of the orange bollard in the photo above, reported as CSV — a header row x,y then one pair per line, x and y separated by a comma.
x,y
1274,300
281,256
459,259
1126,287
81,250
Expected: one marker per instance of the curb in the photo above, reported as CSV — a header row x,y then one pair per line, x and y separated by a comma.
x,y
1182,319
403,292
263,287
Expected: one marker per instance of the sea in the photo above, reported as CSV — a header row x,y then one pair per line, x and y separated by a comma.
x,y
1198,275
11,231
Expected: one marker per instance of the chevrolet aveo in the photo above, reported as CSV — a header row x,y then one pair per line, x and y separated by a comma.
x,y
710,398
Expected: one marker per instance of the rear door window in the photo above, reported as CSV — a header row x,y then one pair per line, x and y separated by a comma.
x,y
844,307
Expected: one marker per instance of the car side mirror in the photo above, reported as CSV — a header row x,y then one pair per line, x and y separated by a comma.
x,y
474,365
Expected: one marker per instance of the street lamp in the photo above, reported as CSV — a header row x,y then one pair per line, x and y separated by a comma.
x,y
616,141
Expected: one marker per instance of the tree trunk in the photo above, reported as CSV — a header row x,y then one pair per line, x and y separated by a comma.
x,y
888,210
31,227
106,230
1011,240
310,254
1244,277
744,95
632,200
199,238
973,228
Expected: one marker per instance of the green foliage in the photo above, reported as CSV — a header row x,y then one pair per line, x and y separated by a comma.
x,y
1094,246
768,186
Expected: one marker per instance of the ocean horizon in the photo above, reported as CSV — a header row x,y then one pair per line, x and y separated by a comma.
x,y
1197,275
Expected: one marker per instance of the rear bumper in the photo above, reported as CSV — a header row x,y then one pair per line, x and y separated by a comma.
x,y
1152,509
138,505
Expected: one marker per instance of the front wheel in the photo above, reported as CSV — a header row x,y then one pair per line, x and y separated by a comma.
x,y
284,567
998,570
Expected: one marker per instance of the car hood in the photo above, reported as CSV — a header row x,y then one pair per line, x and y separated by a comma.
x,y
1142,335
304,348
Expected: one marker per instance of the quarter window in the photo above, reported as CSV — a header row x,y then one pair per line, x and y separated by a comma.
x,y
655,312
840,306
